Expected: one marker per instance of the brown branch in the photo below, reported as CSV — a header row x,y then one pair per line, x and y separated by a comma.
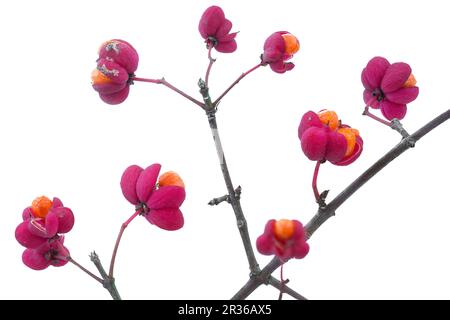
x,y
232,198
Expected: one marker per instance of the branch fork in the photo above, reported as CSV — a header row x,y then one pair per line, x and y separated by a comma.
x,y
108,282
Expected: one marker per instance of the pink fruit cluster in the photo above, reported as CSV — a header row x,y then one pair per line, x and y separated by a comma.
x,y
284,238
279,48
117,62
41,231
158,200
215,29
323,137
389,87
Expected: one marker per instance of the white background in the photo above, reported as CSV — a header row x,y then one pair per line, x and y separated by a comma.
x,y
390,240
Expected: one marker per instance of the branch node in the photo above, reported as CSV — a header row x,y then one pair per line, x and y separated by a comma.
x,y
237,193
108,283
204,91
397,126
261,278
211,113
216,201
254,273
322,198
411,142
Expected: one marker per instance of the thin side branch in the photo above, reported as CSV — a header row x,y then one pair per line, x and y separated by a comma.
x,y
374,117
211,62
323,214
236,82
119,237
395,124
171,87
71,260
320,197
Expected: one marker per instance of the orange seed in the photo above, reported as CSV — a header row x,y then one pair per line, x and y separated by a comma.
x,y
291,42
170,178
355,131
411,82
329,118
98,77
350,135
41,206
284,229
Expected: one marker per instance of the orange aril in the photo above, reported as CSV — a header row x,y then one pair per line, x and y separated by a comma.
x,y
284,229
291,43
350,135
355,131
411,82
99,78
41,206
329,118
170,178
